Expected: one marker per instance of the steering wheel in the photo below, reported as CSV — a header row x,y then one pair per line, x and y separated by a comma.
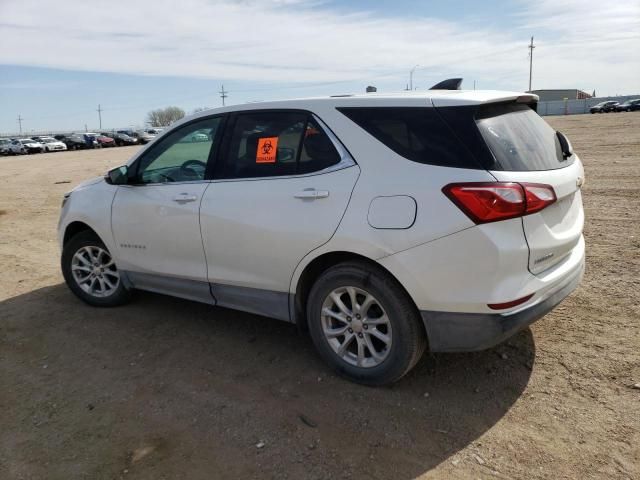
x,y
187,168
189,163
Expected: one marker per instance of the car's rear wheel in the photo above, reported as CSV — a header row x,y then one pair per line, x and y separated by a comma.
x,y
364,325
91,272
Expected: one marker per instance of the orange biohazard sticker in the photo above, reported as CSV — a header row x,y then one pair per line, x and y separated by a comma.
x,y
267,149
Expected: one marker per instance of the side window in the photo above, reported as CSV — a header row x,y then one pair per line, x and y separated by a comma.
x,y
418,134
181,156
269,144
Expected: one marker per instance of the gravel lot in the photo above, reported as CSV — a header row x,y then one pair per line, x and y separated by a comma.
x,y
166,388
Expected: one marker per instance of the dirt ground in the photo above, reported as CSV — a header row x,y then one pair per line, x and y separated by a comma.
x,y
167,389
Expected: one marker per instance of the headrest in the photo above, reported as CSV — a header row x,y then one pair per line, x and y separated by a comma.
x,y
318,146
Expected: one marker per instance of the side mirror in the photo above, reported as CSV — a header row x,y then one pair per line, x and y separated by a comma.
x,y
118,176
565,145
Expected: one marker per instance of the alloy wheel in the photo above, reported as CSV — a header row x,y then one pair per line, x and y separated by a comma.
x,y
356,327
95,271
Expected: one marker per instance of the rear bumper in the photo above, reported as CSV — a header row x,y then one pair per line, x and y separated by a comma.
x,y
464,332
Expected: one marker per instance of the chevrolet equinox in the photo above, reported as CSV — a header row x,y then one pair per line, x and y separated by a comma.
x,y
383,224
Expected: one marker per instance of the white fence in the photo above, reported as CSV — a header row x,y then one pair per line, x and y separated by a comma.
x,y
573,107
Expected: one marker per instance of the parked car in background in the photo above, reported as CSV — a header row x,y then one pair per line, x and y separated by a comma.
x,y
145,136
629,106
50,144
103,140
123,138
199,137
142,138
22,146
4,146
71,143
83,140
604,107
383,224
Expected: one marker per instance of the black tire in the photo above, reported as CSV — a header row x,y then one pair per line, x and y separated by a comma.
x,y
88,239
408,336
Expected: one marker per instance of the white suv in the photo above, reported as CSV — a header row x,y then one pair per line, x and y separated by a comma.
x,y
383,224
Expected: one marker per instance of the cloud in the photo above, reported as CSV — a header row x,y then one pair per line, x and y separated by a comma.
x,y
580,43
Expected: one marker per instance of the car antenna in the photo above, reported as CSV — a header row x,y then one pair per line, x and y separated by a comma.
x,y
448,84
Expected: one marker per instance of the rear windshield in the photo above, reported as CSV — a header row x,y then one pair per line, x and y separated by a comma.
x,y
519,138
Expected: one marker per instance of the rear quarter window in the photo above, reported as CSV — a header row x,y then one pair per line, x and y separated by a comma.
x,y
418,134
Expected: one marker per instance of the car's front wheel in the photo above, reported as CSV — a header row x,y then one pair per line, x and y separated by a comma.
x,y
91,272
364,325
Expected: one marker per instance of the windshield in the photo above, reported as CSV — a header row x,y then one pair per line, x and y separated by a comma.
x,y
48,140
519,138
27,140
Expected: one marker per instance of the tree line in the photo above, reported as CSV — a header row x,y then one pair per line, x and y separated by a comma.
x,y
163,117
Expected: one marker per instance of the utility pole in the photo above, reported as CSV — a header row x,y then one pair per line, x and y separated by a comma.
x,y
20,123
411,76
100,116
223,94
531,47
474,84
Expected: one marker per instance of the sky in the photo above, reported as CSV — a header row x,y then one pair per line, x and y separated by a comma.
x,y
60,60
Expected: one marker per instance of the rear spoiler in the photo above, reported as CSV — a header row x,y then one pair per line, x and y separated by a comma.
x,y
529,99
480,97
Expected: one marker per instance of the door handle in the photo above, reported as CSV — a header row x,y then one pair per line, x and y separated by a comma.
x,y
184,198
312,194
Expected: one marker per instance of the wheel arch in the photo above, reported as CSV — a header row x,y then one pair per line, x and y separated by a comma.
x,y
319,265
76,227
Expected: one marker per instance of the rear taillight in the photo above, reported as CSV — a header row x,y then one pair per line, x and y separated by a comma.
x,y
490,202
538,197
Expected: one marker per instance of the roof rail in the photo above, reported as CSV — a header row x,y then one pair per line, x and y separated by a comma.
x,y
448,84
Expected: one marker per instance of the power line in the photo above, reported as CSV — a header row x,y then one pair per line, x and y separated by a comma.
x,y
531,47
223,94
100,115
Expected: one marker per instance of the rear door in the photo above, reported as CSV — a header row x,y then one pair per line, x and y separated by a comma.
x,y
527,149
279,191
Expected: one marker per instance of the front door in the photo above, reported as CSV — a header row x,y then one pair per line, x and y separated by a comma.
x,y
155,219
